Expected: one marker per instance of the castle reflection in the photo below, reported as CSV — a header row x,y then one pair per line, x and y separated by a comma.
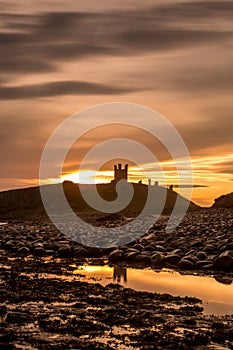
x,y
215,291
119,273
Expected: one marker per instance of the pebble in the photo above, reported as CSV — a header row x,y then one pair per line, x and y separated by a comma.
x,y
64,252
224,261
202,241
115,256
23,251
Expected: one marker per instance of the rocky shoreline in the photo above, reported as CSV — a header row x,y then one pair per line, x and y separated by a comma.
x,y
43,306
203,241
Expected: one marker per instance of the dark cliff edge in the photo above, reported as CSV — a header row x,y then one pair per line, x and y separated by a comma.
x,y
19,199
224,201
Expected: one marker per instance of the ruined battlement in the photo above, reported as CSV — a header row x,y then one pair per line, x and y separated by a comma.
x,y
120,173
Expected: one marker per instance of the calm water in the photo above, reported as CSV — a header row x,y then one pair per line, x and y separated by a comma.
x,y
217,297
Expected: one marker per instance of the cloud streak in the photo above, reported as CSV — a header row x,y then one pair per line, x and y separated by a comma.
x,y
37,42
59,88
174,56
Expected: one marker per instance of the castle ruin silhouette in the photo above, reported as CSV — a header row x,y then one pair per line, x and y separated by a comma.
x,y
120,173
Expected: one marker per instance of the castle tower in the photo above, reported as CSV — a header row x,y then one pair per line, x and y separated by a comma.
x,y
119,173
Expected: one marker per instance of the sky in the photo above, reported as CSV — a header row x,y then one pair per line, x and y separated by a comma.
x,y
175,57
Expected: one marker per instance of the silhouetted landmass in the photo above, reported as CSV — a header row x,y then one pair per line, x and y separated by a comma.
x,y
30,198
224,201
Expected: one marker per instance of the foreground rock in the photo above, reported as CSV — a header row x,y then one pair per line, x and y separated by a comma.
x,y
203,241
41,308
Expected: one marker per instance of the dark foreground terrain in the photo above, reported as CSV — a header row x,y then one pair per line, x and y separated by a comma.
x,y
203,241
44,306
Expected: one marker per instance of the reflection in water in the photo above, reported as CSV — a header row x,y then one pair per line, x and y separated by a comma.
x,y
223,279
216,293
119,272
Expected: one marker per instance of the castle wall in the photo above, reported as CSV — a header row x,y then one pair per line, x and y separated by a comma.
x,y
119,173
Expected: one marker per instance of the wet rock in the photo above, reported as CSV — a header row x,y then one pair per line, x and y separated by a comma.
x,y
197,243
55,246
191,252
130,254
201,255
224,279
11,246
191,258
177,251
143,259
8,335
159,248
39,251
229,246
230,252
208,267
16,317
49,252
94,252
138,247
64,252
157,258
115,256
3,310
185,264
23,251
201,263
80,252
149,248
38,244
209,249
224,261
146,252
172,259
130,250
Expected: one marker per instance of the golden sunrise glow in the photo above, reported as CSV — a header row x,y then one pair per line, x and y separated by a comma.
x,y
206,174
93,269
183,78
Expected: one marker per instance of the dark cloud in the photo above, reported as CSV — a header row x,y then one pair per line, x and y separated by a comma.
x,y
24,65
40,41
164,39
59,88
197,9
